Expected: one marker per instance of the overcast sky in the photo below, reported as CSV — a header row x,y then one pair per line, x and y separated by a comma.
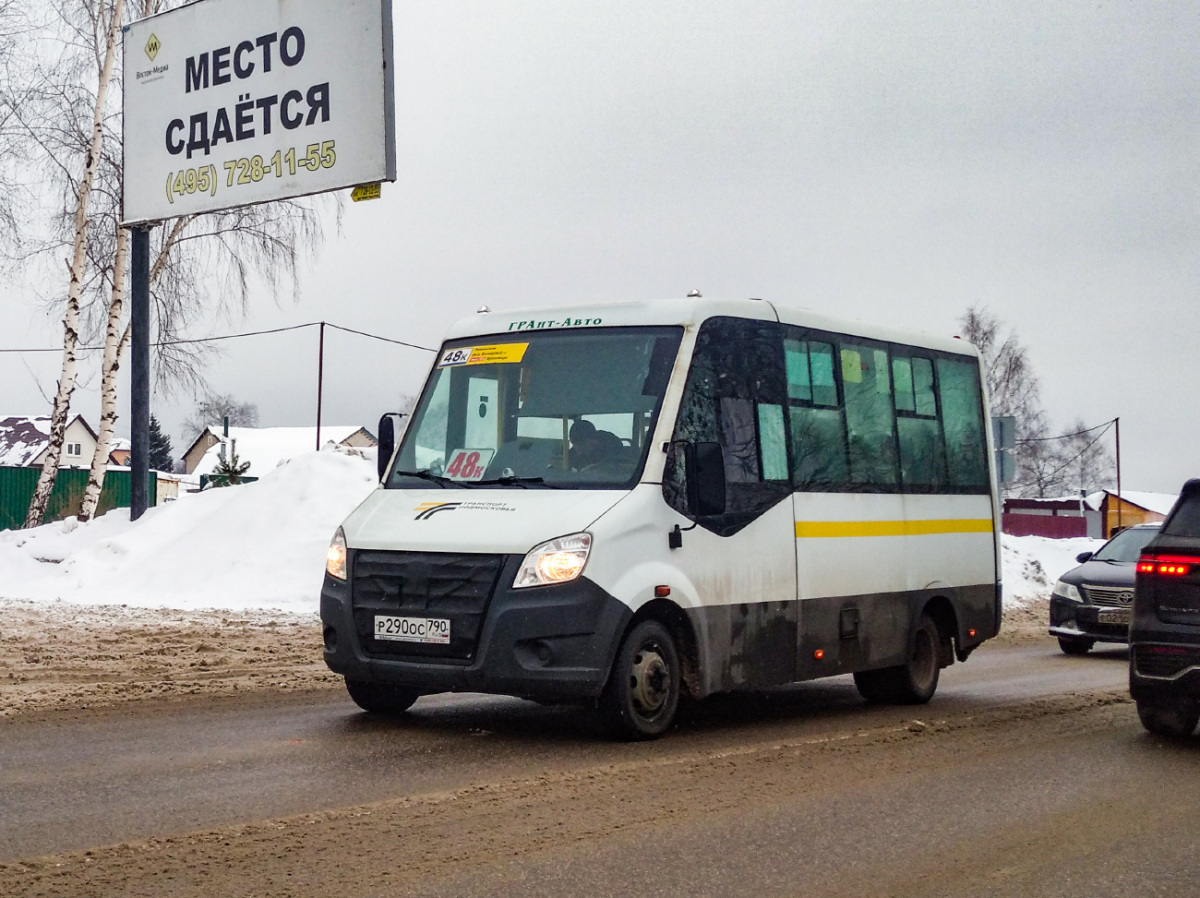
x,y
896,162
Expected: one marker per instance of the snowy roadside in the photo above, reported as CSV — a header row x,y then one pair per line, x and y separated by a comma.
x,y
262,546
218,592
258,546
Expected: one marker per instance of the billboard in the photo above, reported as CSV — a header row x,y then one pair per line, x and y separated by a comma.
x,y
234,102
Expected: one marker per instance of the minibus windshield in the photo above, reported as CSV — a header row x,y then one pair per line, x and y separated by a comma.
x,y
550,409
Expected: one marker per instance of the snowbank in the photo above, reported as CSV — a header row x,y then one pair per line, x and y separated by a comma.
x,y
262,546
1031,564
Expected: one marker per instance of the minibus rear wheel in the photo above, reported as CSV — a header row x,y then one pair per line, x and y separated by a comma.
x,y
642,694
911,683
380,699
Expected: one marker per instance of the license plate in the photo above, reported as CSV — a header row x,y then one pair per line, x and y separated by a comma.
x,y
1119,616
430,630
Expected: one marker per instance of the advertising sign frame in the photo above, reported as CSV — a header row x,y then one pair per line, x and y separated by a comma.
x,y
230,103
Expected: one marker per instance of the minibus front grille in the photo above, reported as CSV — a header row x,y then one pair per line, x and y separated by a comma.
x,y
442,586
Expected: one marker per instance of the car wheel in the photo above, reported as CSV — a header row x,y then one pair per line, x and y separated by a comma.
x,y
642,694
1176,721
912,683
380,699
1072,646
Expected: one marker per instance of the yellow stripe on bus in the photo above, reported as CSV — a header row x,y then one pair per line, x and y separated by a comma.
x,y
835,529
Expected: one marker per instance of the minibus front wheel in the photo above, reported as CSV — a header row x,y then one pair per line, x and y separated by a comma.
x,y
380,699
642,694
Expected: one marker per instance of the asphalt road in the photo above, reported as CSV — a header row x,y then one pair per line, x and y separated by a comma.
x,y
1028,774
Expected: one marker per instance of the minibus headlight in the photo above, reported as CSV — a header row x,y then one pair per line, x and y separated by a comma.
x,y
1067,591
335,558
557,561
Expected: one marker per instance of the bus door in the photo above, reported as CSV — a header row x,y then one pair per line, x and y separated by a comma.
x,y
742,562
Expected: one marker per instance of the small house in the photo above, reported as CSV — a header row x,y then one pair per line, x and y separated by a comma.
x,y
25,442
267,447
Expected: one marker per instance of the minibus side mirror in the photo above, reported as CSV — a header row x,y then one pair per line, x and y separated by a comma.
x,y
1083,557
387,442
704,467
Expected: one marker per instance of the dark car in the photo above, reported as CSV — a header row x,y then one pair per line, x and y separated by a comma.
x,y
1164,638
1091,603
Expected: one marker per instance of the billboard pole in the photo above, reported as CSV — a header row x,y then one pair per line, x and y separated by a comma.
x,y
139,372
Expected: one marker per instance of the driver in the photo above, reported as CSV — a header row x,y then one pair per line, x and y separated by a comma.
x,y
590,446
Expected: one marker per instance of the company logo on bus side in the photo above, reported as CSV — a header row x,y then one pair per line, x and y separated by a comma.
x,y
427,510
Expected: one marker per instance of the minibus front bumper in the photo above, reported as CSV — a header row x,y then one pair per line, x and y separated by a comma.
x,y
547,642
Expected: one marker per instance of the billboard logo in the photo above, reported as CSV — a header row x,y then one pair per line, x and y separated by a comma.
x,y
153,46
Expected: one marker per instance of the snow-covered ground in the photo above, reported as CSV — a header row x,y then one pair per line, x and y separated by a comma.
x,y
262,546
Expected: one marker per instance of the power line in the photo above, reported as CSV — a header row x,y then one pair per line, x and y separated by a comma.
x,y
377,337
278,330
1066,436
1081,452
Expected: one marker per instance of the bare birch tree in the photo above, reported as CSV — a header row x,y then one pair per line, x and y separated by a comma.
x,y
12,27
106,28
201,266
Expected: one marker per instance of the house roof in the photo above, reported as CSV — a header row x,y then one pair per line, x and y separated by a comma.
x,y
1159,503
268,447
24,437
1054,503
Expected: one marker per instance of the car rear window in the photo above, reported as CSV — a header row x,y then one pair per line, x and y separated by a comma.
x,y
1185,521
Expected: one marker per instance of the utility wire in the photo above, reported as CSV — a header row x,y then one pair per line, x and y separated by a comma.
x,y
1081,452
377,337
278,330
1066,436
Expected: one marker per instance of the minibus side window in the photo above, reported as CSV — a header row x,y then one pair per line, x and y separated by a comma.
x,y
922,447
734,396
962,415
816,420
867,383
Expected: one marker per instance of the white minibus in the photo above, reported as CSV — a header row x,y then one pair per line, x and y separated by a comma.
x,y
624,504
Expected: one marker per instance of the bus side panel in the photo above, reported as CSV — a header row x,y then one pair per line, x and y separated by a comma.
x,y
746,646
844,634
869,563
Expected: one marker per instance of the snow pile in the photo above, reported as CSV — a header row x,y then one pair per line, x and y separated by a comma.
x,y
260,545
1031,564
266,448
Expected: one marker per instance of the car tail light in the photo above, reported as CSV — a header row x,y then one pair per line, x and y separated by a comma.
x,y
1167,565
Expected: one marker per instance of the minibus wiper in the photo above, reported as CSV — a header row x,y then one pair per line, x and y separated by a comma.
x,y
513,479
426,474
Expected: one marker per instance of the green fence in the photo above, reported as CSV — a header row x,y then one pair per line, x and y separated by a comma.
x,y
17,486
